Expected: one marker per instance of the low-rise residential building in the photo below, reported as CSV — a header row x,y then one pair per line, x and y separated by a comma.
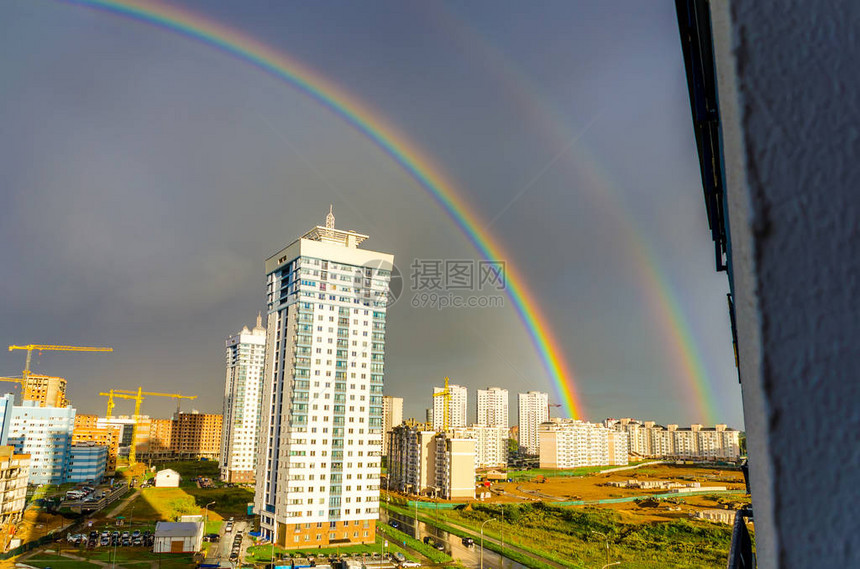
x,y
87,463
570,443
14,472
718,516
648,439
87,431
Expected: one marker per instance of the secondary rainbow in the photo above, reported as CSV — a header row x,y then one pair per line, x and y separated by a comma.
x,y
682,350
429,175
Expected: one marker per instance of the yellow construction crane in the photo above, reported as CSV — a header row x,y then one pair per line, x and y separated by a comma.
x,y
138,397
446,404
176,396
52,348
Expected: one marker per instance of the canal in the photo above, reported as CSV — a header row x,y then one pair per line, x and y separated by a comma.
x,y
468,556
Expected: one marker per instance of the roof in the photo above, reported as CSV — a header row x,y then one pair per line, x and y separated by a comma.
x,y
177,529
167,471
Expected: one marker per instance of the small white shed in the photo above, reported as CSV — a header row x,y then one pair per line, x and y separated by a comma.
x,y
178,537
167,478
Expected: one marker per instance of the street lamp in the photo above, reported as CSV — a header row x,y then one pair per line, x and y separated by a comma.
x,y
206,515
607,547
482,539
611,564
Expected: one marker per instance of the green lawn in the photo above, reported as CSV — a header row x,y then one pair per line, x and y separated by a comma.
x,y
189,469
263,553
170,503
58,561
398,536
549,473
567,535
229,502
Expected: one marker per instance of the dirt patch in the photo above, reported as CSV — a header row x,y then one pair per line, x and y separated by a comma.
x,y
594,487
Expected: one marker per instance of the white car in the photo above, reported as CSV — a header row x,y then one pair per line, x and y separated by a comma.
x,y
410,564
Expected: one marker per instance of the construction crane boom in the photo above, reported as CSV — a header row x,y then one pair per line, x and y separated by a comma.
x,y
138,397
53,348
176,396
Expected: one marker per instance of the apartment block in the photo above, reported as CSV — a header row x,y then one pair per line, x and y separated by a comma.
x,y
570,443
392,415
491,445
533,408
318,464
429,463
196,435
648,439
411,452
243,397
45,433
14,473
457,403
87,463
493,407
455,466
86,431
45,390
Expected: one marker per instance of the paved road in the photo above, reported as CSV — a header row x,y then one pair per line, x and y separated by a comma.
x,y
226,543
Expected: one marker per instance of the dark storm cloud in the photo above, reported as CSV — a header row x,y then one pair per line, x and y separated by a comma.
x,y
146,177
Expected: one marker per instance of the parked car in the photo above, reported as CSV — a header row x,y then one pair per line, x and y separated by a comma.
x,y
394,523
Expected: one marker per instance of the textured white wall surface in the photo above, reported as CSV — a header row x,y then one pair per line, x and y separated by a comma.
x,y
789,75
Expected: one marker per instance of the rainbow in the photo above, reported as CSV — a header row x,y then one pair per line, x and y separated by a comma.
x,y
681,348
416,163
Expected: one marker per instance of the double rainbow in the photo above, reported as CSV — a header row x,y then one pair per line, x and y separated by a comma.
x,y
428,175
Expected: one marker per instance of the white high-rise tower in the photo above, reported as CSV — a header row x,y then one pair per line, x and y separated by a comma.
x,y
533,410
493,407
458,410
321,434
243,392
392,415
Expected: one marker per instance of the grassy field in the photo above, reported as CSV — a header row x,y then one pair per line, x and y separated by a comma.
x,y
170,503
263,553
58,561
427,551
575,535
135,557
189,469
517,475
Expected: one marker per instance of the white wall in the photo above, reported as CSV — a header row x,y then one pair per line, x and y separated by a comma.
x,y
789,106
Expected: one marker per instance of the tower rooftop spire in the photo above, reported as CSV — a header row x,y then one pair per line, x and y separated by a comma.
x,y
329,234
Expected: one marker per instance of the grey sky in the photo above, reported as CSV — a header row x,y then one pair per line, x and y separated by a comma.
x,y
146,177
